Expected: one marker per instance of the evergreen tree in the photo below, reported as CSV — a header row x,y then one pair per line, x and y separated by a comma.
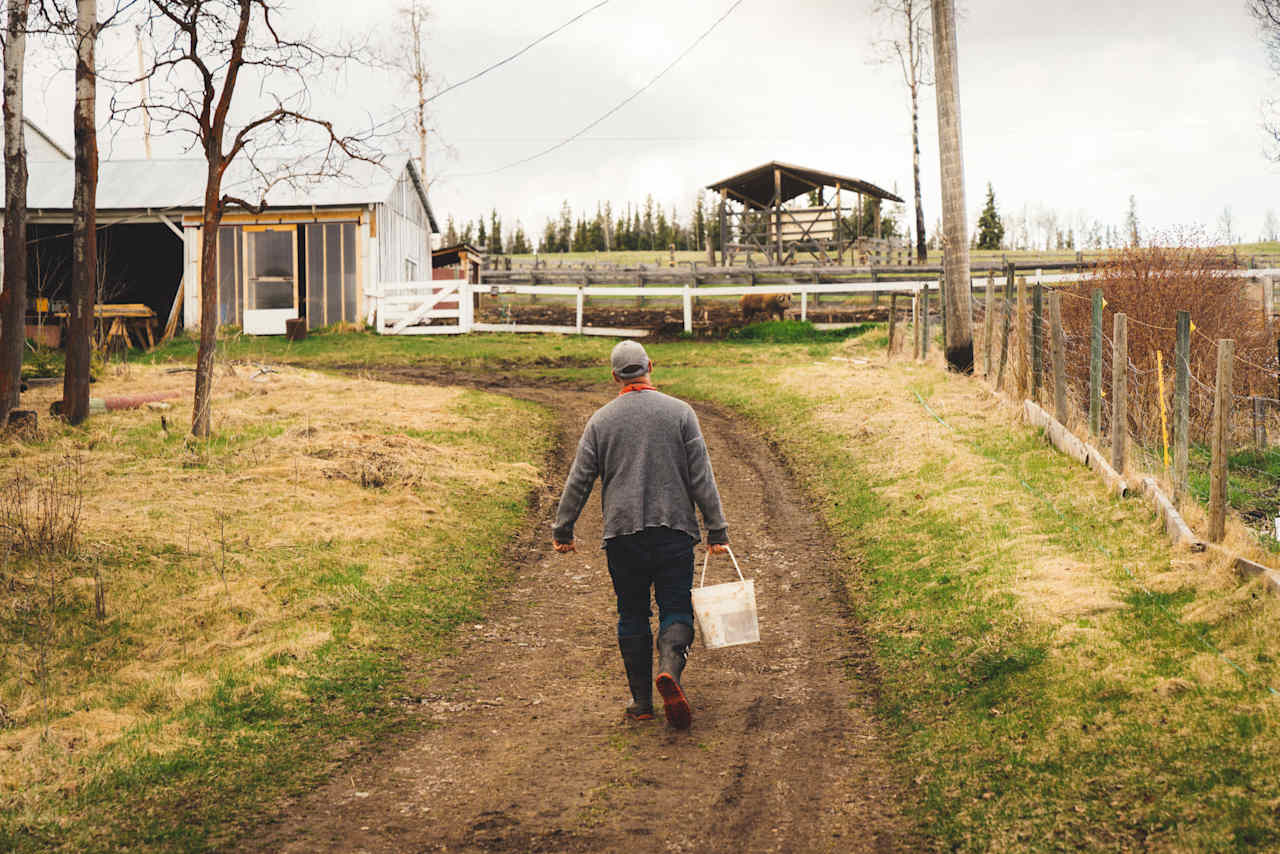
x,y
698,226
467,235
565,234
495,234
1131,223
451,233
519,242
648,227
550,238
990,228
482,236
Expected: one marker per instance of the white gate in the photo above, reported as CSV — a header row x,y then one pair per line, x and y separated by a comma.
x,y
442,307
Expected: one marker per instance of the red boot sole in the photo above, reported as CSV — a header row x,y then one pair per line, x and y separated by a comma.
x,y
679,715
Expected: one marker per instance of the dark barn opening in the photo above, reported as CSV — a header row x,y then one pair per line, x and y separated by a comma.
x,y
137,263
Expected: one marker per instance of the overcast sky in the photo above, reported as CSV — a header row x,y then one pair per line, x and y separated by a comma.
x,y
1073,106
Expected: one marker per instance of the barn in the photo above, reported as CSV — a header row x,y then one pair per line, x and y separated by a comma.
x,y
318,251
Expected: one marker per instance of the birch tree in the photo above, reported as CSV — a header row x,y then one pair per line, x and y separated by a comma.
x,y
205,53
909,48
13,297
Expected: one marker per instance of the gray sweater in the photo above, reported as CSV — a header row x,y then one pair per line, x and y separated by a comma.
x,y
647,449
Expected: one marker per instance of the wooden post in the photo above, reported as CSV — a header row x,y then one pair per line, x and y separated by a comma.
x,y
875,212
942,306
989,325
1268,301
687,301
777,215
1119,392
1008,322
915,325
1221,443
1037,341
1059,346
893,316
580,300
924,326
724,228
1024,354
839,229
1259,422
1181,402
1095,366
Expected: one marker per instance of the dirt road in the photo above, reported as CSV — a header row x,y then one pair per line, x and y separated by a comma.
x,y
530,752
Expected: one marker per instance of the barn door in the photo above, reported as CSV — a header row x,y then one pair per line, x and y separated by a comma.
x,y
271,276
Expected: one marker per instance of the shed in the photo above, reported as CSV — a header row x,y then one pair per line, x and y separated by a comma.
x,y
319,250
755,216
461,261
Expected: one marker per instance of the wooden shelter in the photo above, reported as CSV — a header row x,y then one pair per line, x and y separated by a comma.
x,y
755,215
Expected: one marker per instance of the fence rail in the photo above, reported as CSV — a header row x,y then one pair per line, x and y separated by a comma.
x,y
412,308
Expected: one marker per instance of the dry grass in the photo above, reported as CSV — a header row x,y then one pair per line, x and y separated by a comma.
x,y
209,551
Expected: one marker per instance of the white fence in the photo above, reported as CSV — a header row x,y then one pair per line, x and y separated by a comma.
x,y
405,308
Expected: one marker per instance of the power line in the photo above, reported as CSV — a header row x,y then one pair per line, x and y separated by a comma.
x,y
482,72
627,100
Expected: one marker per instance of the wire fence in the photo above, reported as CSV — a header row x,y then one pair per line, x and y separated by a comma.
x,y
1181,394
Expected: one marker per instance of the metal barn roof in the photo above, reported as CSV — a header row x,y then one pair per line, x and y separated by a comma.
x,y
756,185
177,185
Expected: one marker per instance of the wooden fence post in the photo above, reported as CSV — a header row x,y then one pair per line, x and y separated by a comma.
x,y
1037,341
1024,354
1221,448
1095,366
1008,322
924,326
989,325
1059,345
1181,402
893,320
942,308
915,325
687,299
1259,422
1119,391
1268,301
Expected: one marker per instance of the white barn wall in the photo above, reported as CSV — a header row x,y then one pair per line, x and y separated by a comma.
x,y
404,233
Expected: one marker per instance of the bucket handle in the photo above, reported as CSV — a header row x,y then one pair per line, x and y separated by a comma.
x,y
707,558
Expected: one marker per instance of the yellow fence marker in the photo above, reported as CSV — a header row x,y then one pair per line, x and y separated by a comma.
x,y
1164,420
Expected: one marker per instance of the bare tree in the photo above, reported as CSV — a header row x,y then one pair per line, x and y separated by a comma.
x,y
84,243
1131,223
1267,14
203,51
910,49
1227,226
13,298
1270,227
413,61
955,242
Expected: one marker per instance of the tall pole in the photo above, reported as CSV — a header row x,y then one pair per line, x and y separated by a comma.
x,y
955,244
13,297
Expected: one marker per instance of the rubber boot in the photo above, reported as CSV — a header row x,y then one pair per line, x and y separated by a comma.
x,y
673,648
637,656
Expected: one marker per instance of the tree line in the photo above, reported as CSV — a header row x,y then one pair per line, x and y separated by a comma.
x,y
647,226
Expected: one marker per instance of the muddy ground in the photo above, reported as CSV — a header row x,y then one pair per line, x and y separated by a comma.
x,y
529,751
711,317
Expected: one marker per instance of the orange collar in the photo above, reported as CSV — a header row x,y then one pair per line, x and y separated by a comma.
x,y
637,387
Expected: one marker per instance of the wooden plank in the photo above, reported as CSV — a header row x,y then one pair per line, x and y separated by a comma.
x,y
989,326
1062,439
1174,525
1249,569
1005,329
1023,359
1221,449
1119,391
1037,342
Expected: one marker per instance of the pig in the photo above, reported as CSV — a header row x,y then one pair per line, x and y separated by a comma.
x,y
770,305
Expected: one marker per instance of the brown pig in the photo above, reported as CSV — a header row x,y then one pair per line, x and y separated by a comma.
x,y
770,305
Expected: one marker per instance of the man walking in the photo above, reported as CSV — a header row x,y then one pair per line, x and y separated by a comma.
x,y
647,449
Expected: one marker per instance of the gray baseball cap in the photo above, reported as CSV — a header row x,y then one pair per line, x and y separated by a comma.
x,y
629,360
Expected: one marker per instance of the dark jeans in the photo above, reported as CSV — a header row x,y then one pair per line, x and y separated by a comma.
x,y
661,558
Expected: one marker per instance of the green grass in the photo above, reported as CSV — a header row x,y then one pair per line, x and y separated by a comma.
x,y
1020,737
191,776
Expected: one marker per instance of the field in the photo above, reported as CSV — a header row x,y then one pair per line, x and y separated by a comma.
x,y
996,655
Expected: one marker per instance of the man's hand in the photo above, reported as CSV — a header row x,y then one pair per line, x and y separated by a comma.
x,y
564,547
719,549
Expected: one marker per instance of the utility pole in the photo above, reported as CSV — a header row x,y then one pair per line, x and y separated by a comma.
x,y
955,245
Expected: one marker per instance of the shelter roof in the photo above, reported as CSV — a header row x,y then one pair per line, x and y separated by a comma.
x,y
177,185
756,185
447,256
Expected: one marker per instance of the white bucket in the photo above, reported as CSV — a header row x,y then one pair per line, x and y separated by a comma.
x,y
726,613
